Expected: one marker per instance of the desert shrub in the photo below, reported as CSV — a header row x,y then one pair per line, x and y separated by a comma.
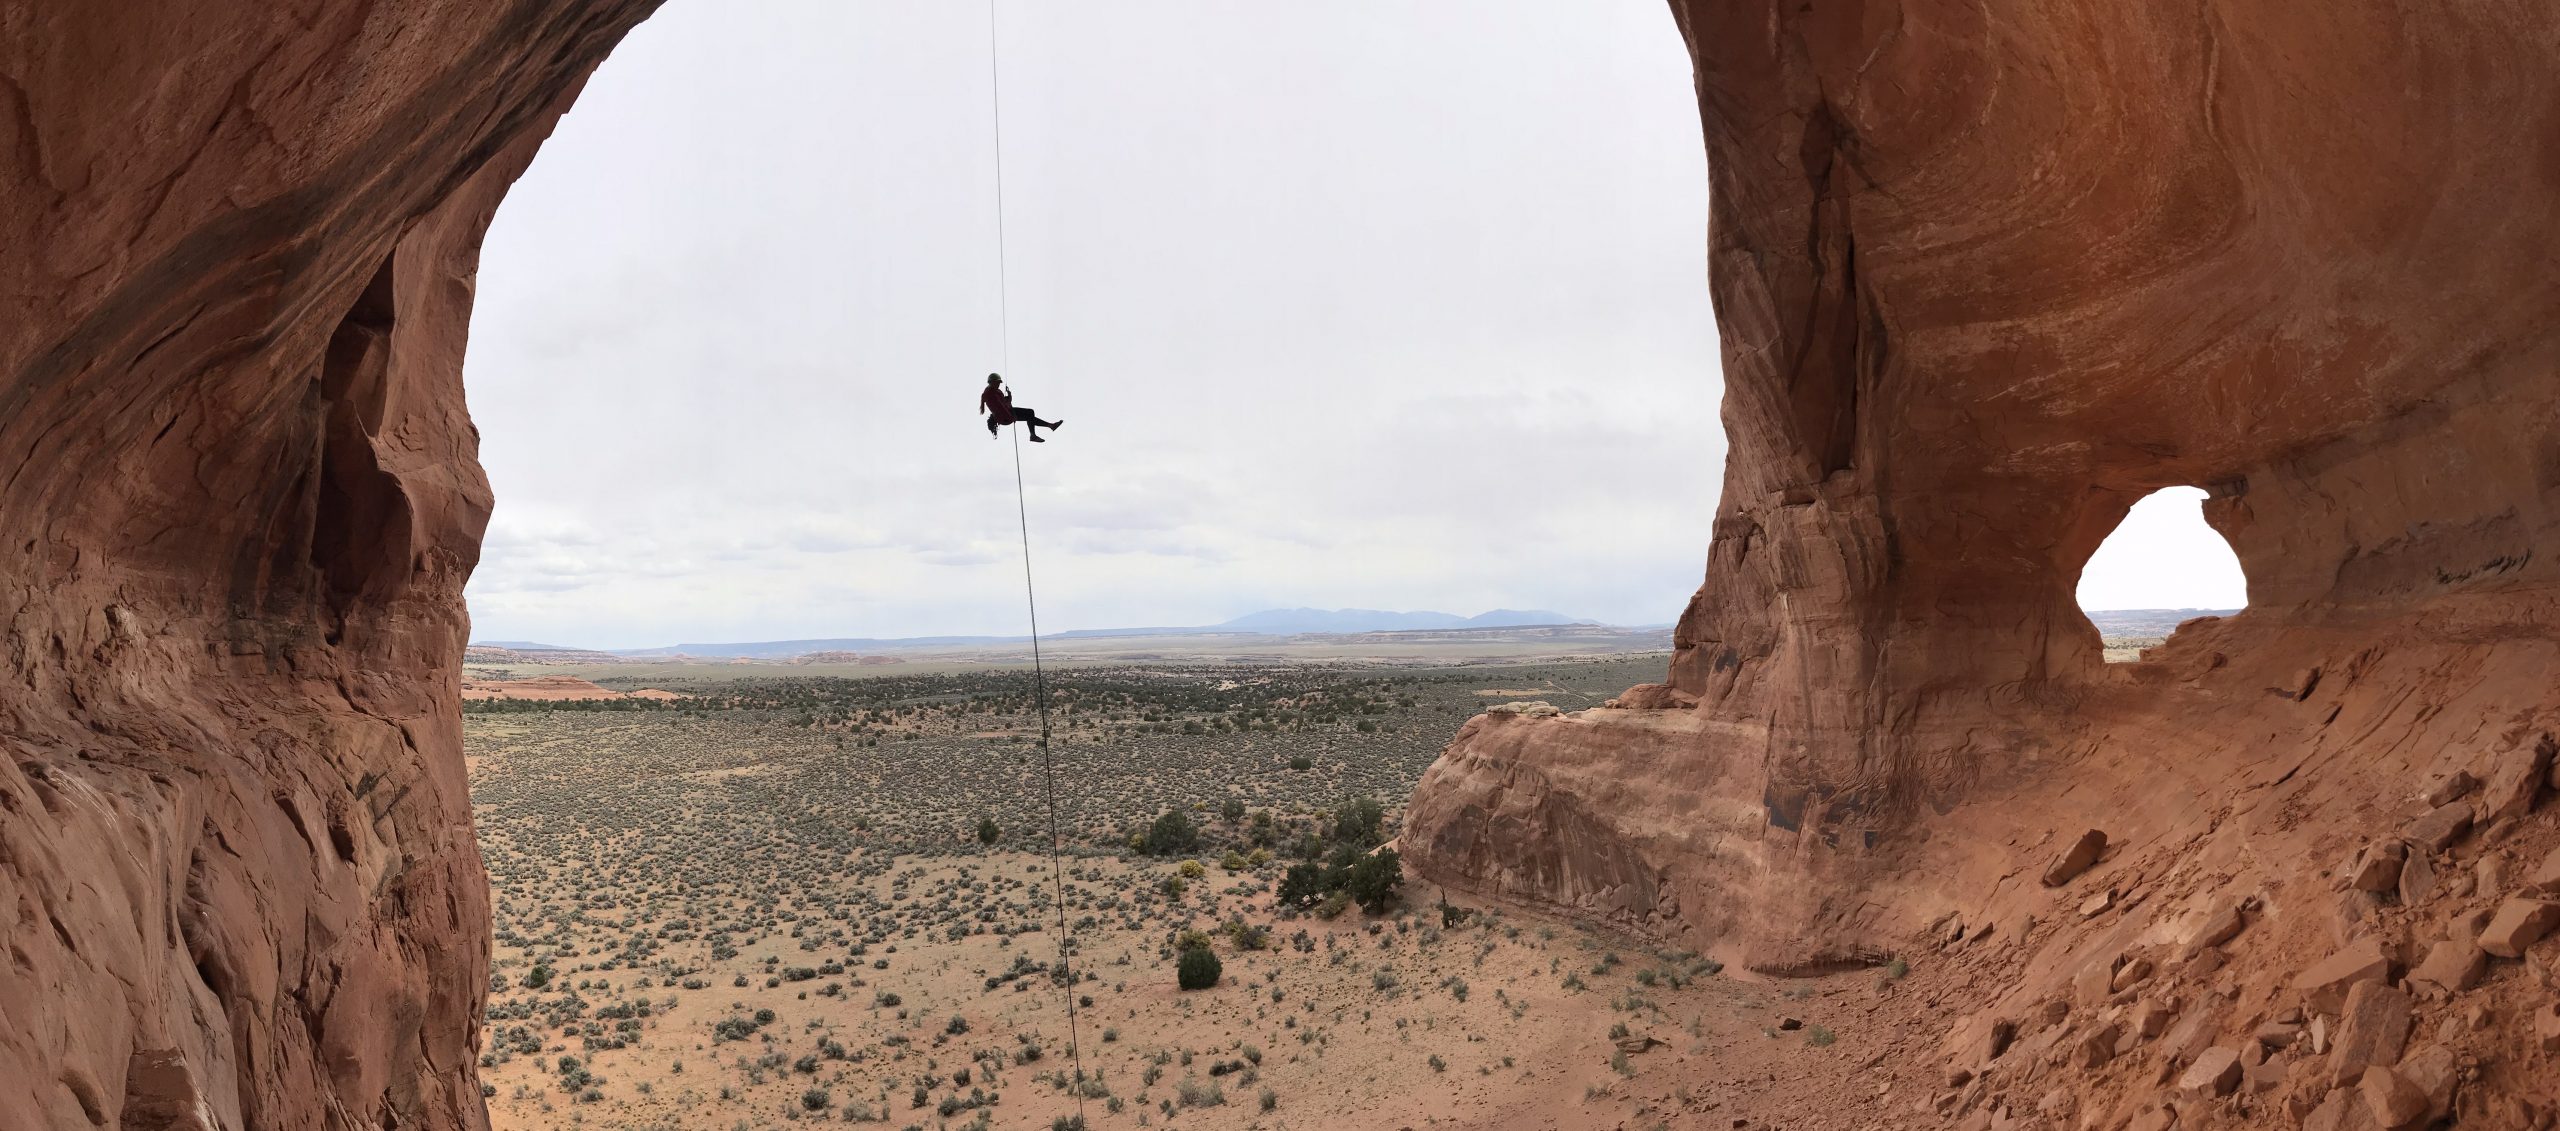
x,y
1232,809
1373,881
816,1099
1197,969
1302,886
1302,762
1172,834
1361,822
1233,861
1192,870
988,833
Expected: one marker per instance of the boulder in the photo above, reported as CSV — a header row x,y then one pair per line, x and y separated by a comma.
x,y
2377,868
2079,858
2447,788
2373,1027
2343,1109
2096,981
2325,984
2417,879
2129,975
2434,1072
2544,880
2438,828
2452,966
2390,1099
2220,927
2519,924
2098,1046
2216,1072
2515,783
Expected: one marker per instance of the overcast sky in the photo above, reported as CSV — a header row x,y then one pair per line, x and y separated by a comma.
x,y
1345,302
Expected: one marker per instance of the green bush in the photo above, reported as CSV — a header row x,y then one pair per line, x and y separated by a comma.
x,y
988,833
1373,881
1360,822
1172,835
1198,969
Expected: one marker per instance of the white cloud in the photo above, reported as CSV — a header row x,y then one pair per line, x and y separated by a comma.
x,y
1345,304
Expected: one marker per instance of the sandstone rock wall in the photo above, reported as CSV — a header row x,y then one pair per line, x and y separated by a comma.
x,y
238,502
1987,274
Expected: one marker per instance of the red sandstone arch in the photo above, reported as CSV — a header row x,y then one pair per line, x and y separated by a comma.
x,y
1985,271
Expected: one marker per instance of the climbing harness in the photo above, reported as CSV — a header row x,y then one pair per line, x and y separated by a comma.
x,y
1030,598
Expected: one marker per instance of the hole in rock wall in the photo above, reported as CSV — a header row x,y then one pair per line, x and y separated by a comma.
x,y
2161,566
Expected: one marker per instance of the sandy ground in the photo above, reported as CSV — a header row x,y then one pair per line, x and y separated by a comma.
x,y
1363,1027
678,872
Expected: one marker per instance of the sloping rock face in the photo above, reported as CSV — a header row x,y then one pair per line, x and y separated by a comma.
x,y
1987,274
238,501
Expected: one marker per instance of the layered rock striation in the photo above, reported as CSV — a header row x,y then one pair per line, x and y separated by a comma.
x,y
238,501
1987,274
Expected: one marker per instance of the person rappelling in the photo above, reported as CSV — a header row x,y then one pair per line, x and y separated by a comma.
x,y
998,407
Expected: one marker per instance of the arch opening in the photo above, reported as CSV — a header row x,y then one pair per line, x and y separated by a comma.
x,y
2161,567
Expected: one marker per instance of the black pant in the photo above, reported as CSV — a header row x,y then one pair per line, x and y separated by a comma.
x,y
1021,415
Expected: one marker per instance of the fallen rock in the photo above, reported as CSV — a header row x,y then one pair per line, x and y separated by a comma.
x,y
2391,1100
1790,1024
2216,1072
2372,1029
2194,1031
2221,927
2516,782
2445,789
2546,1028
1995,1042
2153,1018
2545,878
2342,1109
2519,924
2377,868
2440,826
2082,854
2325,985
2098,1046
2417,879
2433,1071
2452,966
2277,1034
2129,975
2096,981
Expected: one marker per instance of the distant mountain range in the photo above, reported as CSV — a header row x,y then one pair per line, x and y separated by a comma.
x,y
1269,622
1292,622
2113,623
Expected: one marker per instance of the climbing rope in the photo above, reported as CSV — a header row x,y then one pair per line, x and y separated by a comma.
x,y
1030,596
1049,783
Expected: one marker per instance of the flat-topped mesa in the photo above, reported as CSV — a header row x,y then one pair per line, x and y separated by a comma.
x,y
1985,278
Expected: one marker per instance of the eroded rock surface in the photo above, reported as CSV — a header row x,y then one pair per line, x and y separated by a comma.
x,y
1987,274
238,502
